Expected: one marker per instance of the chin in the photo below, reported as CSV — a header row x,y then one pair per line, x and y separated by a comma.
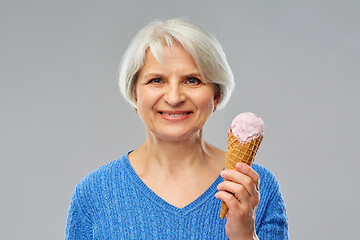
x,y
178,136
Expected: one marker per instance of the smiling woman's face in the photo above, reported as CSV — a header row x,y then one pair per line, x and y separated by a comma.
x,y
173,99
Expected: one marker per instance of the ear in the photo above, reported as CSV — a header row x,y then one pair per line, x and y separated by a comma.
x,y
134,100
217,95
216,101
134,92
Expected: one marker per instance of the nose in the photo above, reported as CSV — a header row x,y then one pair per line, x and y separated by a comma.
x,y
174,95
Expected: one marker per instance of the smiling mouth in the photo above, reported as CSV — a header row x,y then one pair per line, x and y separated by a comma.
x,y
174,114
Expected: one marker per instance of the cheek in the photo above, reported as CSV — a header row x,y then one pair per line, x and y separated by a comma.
x,y
144,106
206,100
145,99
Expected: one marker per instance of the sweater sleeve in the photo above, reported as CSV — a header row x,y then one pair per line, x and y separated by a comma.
x,y
78,223
274,224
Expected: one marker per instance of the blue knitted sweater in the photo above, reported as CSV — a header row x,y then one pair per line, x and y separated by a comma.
x,y
114,203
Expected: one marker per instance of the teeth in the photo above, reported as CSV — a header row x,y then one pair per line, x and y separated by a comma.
x,y
174,115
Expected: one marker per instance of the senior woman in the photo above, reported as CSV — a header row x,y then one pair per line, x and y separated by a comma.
x,y
175,75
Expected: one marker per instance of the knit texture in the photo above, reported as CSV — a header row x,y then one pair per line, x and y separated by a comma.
x,y
114,203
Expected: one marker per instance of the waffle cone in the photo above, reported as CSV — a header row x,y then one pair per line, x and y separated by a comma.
x,y
239,152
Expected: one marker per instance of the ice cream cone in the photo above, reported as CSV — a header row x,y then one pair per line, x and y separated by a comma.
x,y
239,152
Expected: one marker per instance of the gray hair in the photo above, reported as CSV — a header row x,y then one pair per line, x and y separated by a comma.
x,y
201,45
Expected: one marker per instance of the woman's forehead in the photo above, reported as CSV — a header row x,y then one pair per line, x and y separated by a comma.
x,y
173,58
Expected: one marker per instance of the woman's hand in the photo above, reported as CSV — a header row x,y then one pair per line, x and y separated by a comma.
x,y
240,192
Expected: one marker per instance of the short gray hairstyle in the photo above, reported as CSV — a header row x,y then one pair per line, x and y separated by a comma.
x,y
200,44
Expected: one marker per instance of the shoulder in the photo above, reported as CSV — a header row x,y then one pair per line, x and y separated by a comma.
x,y
264,173
102,177
90,192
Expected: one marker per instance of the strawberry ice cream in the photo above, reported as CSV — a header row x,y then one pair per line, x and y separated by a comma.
x,y
247,125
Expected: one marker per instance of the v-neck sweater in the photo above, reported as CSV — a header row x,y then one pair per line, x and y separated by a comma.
x,y
114,203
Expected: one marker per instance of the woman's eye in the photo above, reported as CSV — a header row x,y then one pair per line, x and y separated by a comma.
x,y
156,80
193,81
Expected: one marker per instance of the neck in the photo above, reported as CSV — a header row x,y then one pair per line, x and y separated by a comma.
x,y
175,156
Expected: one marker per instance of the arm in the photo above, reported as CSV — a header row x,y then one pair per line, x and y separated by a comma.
x,y
274,224
78,224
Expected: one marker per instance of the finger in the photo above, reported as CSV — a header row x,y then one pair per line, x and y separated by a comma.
x,y
240,178
238,190
231,202
240,206
248,171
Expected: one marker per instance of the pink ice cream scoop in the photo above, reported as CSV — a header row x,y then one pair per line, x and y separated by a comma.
x,y
246,126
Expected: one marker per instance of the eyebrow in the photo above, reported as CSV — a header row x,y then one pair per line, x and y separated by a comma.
x,y
193,75
151,75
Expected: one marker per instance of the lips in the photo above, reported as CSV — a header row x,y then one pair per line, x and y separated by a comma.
x,y
175,115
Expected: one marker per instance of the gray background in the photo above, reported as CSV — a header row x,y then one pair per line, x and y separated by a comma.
x,y
296,64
